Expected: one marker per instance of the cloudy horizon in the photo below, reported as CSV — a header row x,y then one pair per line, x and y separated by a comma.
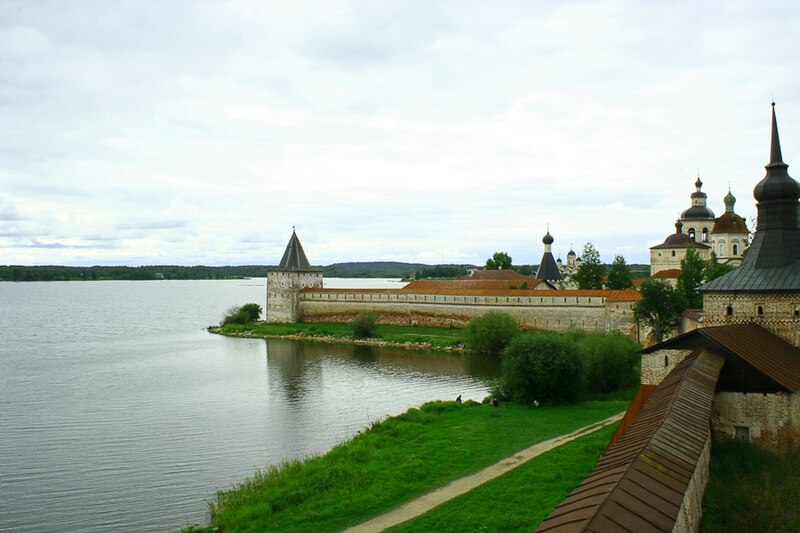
x,y
188,133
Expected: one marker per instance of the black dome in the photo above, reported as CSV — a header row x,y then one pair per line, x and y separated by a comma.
x,y
697,212
548,239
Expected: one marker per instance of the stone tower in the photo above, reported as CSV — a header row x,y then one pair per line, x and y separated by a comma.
x,y
285,282
765,289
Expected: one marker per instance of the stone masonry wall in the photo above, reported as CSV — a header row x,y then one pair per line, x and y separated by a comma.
x,y
692,507
771,421
779,313
533,312
283,288
656,365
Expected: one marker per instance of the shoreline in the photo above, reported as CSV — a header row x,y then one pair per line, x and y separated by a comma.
x,y
330,339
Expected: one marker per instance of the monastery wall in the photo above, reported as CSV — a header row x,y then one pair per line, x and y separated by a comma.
x,y
777,312
553,313
771,421
656,365
692,506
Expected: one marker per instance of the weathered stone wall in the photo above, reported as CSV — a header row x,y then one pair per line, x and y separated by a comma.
x,y
771,421
656,365
553,313
692,507
283,286
779,313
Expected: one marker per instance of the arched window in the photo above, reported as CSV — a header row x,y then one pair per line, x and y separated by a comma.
x,y
673,253
691,233
705,234
735,249
760,310
728,313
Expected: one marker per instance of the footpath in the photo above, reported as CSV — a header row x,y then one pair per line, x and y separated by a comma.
x,y
460,486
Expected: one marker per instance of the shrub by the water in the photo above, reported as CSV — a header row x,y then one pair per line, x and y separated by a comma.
x,y
490,333
242,315
253,311
544,367
364,324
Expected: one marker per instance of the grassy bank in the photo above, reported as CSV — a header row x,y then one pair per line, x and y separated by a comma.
x,y
521,499
434,337
394,461
750,489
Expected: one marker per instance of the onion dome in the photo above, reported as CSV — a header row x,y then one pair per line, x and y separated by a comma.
x,y
730,201
570,253
679,237
777,184
548,239
699,208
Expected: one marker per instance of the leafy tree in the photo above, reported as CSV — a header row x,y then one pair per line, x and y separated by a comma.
x,y
691,277
490,333
590,274
619,275
715,269
545,367
364,324
659,308
500,260
611,362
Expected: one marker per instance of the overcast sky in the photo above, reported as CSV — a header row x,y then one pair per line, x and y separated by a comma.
x,y
201,132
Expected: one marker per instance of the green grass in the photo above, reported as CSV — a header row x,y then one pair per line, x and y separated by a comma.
x,y
394,461
521,499
750,489
437,337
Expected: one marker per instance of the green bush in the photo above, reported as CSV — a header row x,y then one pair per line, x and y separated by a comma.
x,y
490,333
544,367
253,311
611,362
242,315
364,324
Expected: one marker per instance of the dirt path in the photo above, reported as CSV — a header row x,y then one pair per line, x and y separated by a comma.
x,y
460,486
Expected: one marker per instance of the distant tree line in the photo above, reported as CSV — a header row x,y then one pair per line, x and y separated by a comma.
x,y
92,273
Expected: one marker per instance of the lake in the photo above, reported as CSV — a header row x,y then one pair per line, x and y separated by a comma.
x,y
119,412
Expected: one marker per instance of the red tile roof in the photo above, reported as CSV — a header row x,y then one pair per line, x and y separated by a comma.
x,y
669,273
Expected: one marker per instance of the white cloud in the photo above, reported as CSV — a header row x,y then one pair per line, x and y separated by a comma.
x,y
200,134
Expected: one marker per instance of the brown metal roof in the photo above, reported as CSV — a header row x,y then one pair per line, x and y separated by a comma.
x,y
639,483
765,351
511,275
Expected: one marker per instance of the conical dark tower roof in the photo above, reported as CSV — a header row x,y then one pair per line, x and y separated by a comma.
x,y
548,269
294,258
772,262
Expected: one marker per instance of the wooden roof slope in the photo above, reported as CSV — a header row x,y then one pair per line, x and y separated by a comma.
x,y
765,351
639,483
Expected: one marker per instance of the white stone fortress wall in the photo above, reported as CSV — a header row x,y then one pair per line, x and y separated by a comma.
x,y
778,312
283,290
537,312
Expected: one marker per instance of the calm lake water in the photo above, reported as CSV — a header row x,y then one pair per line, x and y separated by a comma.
x,y
119,412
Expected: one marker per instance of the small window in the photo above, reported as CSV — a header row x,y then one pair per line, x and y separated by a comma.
x,y
691,233
735,249
760,310
666,361
673,253
796,312
705,234
741,433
